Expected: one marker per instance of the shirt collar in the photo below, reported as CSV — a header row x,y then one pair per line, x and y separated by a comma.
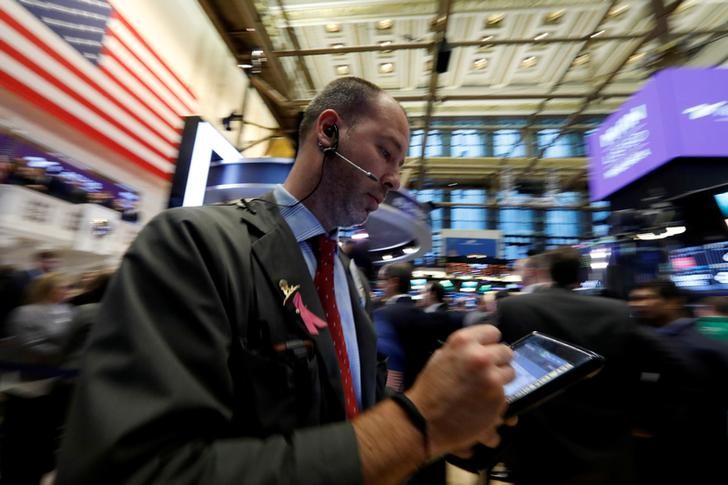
x,y
302,222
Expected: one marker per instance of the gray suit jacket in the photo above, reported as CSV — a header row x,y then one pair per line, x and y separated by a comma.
x,y
197,372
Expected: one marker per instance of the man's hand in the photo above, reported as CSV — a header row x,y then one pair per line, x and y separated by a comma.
x,y
460,390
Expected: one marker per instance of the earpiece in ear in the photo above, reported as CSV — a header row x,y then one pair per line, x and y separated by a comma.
x,y
332,132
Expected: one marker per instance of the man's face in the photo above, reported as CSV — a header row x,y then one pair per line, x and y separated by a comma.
x,y
387,285
377,142
48,264
649,307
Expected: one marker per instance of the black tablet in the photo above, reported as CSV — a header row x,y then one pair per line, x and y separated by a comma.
x,y
544,367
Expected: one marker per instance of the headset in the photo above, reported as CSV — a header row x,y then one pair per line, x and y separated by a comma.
x,y
332,132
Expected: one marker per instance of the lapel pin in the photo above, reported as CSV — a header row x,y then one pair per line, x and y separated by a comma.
x,y
287,290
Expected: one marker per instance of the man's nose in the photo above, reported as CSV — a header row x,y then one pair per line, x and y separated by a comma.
x,y
392,180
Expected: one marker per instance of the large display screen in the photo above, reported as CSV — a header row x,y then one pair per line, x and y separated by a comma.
x,y
701,268
679,113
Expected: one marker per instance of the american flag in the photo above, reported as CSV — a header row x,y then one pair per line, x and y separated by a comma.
x,y
85,64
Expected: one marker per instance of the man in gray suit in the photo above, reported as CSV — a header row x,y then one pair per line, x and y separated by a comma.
x,y
231,346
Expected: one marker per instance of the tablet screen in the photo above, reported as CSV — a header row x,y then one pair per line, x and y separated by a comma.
x,y
534,366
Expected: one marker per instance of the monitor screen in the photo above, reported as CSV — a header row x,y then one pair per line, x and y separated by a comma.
x,y
722,201
701,268
418,283
484,288
468,286
447,284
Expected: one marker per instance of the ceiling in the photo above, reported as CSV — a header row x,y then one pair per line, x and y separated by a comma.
x,y
524,58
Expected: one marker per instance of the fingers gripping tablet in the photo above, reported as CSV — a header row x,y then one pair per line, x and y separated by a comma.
x,y
544,367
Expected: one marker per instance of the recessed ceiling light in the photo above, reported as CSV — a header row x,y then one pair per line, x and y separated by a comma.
x,y
384,24
540,36
554,17
618,10
635,57
582,59
385,43
386,68
332,28
597,34
485,47
343,69
494,20
337,45
529,62
480,63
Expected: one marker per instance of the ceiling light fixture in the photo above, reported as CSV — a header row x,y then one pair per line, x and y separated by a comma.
x,y
597,34
384,24
494,20
386,68
618,10
582,59
332,28
542,35
529,62
480,63
635,57
343,69
385,43
554,17
667,232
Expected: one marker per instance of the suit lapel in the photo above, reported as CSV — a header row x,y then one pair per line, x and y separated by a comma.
x,y
280,259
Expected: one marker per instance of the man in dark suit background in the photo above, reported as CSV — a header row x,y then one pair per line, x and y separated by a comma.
x,y
688,425
582,436
408,336
218,353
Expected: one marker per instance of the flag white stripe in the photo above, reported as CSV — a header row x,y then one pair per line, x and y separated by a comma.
x,y
74,83
170,112
70,55
60,98
151,63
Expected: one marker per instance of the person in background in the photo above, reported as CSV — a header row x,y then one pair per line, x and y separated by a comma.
x,y
694,413
36,404
434,298
15,291
712,313
408,336
486,311
584,434
231,346
534,272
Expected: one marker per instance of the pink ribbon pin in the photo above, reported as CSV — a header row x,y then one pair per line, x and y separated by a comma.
x,y
310,319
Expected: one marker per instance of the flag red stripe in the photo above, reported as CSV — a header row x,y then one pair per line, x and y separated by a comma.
x,y
112,77
78,98
141,40
57,57
138,79
16,87
134,54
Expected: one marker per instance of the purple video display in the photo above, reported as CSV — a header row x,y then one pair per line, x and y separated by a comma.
x,y
678,113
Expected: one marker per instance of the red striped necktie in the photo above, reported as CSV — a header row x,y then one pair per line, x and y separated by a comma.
x,y
324,282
